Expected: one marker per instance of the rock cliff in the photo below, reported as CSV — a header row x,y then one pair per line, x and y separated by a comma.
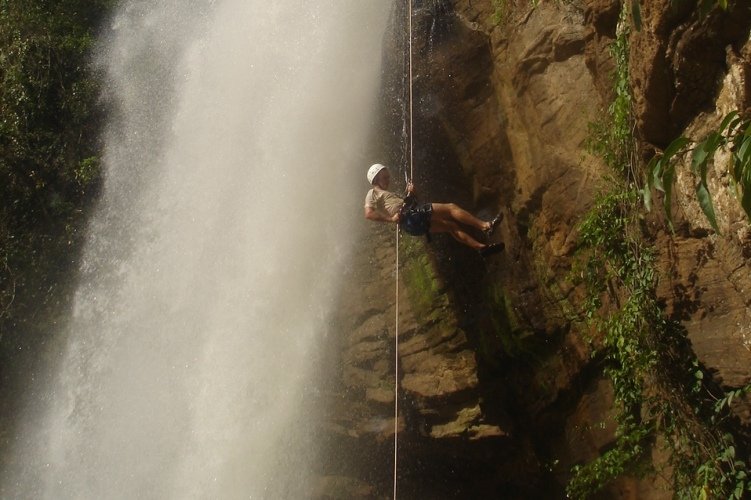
x,y
499,394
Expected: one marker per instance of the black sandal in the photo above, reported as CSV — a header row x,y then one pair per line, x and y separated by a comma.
x,y
494,224
492,249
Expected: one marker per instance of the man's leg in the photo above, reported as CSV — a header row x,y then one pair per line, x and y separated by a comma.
x,y
439,225
453,212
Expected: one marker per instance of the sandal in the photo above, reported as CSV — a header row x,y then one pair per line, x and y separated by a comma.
x,y
492,249
494,224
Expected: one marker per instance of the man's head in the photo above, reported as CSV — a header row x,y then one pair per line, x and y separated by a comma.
x,y
377,174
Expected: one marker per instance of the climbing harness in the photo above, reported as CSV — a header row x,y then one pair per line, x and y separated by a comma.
x,y
396,328
416,218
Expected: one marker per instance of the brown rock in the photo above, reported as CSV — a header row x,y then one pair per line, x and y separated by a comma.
x,y
502,117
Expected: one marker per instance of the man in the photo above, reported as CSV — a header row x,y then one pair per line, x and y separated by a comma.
x,y
384,206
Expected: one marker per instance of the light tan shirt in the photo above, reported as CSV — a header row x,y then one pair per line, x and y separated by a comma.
x,y
383,202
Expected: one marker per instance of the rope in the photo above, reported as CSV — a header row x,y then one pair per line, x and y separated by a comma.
x,y
396,322
396,367
411,135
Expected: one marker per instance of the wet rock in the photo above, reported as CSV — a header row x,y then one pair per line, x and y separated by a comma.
x,y
496,369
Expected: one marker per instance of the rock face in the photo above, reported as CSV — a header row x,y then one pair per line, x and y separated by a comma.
x,y
446,435
506,399
706,279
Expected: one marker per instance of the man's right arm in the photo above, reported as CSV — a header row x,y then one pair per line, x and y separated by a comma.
x,y
372,214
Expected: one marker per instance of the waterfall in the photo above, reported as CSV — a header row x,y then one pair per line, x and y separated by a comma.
x,y
233,177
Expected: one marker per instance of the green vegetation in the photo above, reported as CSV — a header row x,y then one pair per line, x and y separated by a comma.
x,y
508,329
734,137
48,140
660,389
664,398
619,268
611,138
421,280
500,10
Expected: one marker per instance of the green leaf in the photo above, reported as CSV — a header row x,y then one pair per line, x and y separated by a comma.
x,y
646,195
743,154
652,167
704,151
658,174
703,494
746,201
699,157
728,120
668,178
714,141
705,201
674,147
720,405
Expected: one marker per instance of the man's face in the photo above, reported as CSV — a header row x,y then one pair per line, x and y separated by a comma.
x,y
383,179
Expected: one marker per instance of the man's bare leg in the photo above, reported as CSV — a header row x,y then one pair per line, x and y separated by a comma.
x,y
452,211
438,225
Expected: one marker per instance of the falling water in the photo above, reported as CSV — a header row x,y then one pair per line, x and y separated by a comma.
x,y
233,160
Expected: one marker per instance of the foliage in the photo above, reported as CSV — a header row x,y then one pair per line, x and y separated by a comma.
x,y
734,136
613,463
47,97
509,332
500,11
663,396
48,136
423,284
616,259
611,138
659,386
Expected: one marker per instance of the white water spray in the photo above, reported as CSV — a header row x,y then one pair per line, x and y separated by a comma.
x,y
233,162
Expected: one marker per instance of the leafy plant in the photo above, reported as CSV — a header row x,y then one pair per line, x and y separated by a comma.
x,y
733,135
622,268
611,137
659,386
49,126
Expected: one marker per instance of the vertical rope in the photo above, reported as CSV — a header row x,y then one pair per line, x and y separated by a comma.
x,y
396,321
396,366
411,135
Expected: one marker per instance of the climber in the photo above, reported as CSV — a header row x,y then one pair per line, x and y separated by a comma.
x,y
419,219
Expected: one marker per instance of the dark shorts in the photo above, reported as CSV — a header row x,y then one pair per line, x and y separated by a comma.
x,y
416,219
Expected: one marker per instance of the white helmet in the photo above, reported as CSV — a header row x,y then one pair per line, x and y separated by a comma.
x,y
374,170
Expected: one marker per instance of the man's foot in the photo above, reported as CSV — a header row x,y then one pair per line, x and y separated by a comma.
x,y
493,224
488,250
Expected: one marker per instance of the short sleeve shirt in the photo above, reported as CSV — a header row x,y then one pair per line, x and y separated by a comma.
x,y
383,202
